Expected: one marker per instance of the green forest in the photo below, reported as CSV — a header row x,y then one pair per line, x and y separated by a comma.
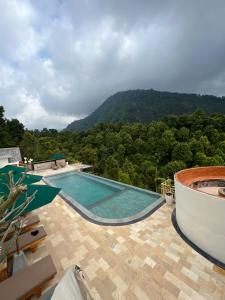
x,y
134,153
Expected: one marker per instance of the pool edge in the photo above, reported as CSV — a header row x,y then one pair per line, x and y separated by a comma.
x,y
99,221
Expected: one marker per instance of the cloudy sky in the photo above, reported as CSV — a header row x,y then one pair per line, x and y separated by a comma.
x,y
60,59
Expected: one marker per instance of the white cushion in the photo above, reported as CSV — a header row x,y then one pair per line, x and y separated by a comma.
x,y
68,287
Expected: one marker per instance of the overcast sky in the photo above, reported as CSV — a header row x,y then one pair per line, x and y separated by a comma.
x,y
59,60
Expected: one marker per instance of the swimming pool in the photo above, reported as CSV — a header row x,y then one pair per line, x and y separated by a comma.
x,y
105,201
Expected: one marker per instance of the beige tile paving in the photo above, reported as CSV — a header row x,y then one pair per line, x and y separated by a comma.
x,y
146,260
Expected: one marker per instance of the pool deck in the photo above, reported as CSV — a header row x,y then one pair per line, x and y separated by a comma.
x,y
67,168
145,260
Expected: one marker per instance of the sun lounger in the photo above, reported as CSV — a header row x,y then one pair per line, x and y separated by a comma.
x,y
28,224
73,286
29,281
29,240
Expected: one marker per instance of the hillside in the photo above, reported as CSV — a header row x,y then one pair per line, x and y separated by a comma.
x,y
147,105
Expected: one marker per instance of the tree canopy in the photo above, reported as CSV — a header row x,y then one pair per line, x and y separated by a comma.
x,y
11,131
134,153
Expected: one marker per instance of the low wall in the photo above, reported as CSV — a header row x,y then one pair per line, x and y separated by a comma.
x,y
43,165
61,162
201,216
48,164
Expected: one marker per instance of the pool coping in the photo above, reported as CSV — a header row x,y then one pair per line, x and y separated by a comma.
x,y
88,215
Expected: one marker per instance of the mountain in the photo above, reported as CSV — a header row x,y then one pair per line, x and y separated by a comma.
x,y
147,105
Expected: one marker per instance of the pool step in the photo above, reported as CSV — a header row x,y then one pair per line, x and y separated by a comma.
x,y
106,199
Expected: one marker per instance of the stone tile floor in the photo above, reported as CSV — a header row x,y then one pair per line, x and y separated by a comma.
x,y
145,260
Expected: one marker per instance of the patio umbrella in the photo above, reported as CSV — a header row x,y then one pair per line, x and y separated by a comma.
x,y
17,173
44,193
13,169
28,180
57,156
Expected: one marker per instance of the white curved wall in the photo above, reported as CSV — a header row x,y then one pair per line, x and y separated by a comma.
x,y
201,217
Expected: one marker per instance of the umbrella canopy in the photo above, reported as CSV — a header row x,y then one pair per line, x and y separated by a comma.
x,y
28,179
57,156
44,195
14,169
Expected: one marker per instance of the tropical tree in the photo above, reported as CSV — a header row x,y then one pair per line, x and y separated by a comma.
x,y
29,145
172,167
10,221
182,152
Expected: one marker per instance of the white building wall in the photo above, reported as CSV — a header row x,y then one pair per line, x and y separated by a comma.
x,y
201,217
13,153
3,162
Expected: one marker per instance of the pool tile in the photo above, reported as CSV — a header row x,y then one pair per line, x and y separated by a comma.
x,y
190,274
183,296
140,294
92,242
120,239
110,231
171,288
150,262
172,256
103,264
121,285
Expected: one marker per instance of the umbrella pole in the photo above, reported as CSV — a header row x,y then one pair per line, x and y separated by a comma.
x,y
17,246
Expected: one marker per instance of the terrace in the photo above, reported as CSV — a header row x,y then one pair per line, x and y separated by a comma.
x,y
145,260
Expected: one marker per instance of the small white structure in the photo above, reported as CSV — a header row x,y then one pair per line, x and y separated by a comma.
x,y
4,160
200,210
9,156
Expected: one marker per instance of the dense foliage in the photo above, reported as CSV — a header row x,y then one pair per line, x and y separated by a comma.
x,y
11,131
134,153
138,154
145,106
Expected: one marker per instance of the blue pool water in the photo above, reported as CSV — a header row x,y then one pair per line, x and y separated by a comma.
x,y
85,190
100,198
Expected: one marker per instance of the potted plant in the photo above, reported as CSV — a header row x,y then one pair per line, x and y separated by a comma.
x,y
168,191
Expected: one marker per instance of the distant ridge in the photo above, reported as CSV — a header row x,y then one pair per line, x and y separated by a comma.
x,y
147,105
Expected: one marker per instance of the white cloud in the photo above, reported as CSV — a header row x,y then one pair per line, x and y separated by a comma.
x,y
19,40
33,114
60,59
